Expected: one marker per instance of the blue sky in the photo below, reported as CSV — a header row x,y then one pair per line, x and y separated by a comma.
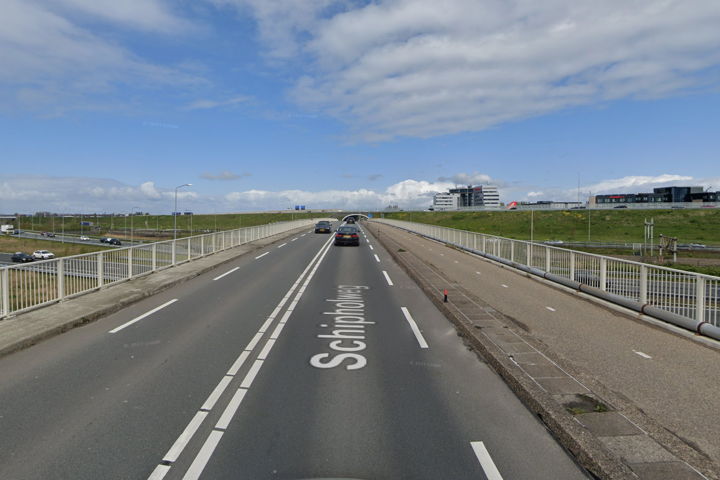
x,y
106,106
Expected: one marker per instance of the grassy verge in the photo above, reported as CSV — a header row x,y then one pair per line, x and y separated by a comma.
x,y
11,244
689,226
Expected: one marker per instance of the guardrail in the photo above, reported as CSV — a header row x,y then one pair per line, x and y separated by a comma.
x,y
33,285
686,299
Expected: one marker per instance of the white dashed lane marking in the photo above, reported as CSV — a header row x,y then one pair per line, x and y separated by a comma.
x,y
377,258
644,355
387,277
146,314
504,286
260,256
551,309
486,462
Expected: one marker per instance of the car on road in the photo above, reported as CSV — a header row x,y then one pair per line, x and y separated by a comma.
x,y
104,239
50,234
22,257
350,220
347,235
84,238
114,241
697,245
43,254
620,206
323,226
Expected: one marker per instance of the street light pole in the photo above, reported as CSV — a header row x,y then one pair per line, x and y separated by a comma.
x,y
132,216
175,210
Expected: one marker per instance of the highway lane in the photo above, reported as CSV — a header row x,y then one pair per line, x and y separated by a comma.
x,y
90,404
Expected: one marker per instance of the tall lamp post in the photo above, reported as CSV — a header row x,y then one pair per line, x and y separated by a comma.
x,y
132,216
175,210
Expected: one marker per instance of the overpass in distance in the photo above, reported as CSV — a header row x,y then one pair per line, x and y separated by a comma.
x,y
300,360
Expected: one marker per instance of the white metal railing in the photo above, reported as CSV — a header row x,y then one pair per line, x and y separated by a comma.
x,y
690,295
32,285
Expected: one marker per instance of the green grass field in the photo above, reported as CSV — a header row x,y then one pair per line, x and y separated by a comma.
x,y
626,226
154,225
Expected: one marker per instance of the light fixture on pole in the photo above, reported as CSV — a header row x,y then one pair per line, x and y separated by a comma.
x,y
175,210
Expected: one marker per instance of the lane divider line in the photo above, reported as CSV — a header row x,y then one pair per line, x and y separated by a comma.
x,y
260,256
280,246
146,314
486,462
551,309
414,328
644,355
198,465
387,277
294,239
209,446
226,273
230,410
504,286
371,247
377,258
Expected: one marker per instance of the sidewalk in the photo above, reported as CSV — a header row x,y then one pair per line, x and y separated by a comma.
x,y
629,399
28,328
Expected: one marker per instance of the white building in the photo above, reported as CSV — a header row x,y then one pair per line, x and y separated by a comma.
x,y
446,201
490,196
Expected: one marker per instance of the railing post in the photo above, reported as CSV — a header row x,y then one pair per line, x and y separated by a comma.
x,y
603,274
202,245
5,287
512,250
547,259
475,241
130,262
173,252
700,299
643,285
100,270
189,251
572,266
529,254
61,278
154,257
484,244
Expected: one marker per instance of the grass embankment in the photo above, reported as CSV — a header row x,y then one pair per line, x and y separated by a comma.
x,y
11,244
608,226
152,226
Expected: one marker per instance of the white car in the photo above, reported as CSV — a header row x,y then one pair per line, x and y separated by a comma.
x,y
84,238
43,254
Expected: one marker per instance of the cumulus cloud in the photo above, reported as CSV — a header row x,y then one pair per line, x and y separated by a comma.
x,y
224,175
422,68
469,179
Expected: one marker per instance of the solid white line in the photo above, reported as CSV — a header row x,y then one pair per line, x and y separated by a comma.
x,y
377,258
203,456
159,472
486,462
137,319
247,381
280,246
371,247
254,341
226,273
230,410
184,438
260,256
644,355
387,277
266,349
215,395
414,328
238,363
551,309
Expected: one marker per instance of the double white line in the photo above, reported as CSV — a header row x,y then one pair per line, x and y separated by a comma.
x,y
202,458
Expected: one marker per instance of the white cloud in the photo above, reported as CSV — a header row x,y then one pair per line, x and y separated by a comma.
x,y
51,63
423,68
474,178
636,184
205,104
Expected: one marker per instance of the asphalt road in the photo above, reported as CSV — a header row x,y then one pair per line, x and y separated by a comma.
x,y
258,371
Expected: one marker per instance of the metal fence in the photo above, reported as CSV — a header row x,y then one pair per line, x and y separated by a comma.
x,y
667,293
28,286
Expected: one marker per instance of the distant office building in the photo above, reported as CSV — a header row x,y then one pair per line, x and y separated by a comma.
x,y
446,201
480,196
552,204
660,195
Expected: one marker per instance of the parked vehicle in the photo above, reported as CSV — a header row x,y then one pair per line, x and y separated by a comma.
x,y
22,257
43,254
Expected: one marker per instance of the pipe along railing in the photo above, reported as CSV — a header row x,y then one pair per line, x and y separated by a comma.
x,y
686,299
36,284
